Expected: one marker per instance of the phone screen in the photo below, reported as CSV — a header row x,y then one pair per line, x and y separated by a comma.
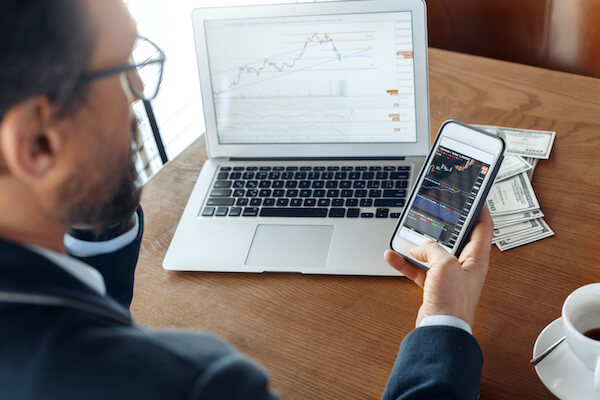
x,y
446,194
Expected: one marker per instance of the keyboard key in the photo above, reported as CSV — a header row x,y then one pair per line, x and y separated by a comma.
x,y
291,184
389,203
347,168
337,203
374,168
221,193
252,193
333,193
291,168
251,184
354,175
241,202
304,184
327,175
351,202
306,168
277,184
314,175
239,193
394,215
291,193
256,202
374,193
324,202
223,175
359,184
225,169
238,168
331,184
353,213
287,175
310,202
219,201
368,175
261,175
235,175
282,202
345,184
208,211
401,184
268,203
382,212
264,168
300,176
235,211
305,193
239,184
278,193
404,168
265,193
373,184
248,175
278,168
251,168
360,168
295,202
222,184
389,168
360,193
264,184
319,168
399,175
394,193
340,176
293,212
222,211
382,176
274,175
333,168
366,202
319,193
337,212
250,212
318,184
347,193
366,215
387,184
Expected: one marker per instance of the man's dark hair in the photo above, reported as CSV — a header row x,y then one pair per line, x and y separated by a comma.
x,y
45,45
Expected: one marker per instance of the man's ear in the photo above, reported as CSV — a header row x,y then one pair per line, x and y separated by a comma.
x,y
28,144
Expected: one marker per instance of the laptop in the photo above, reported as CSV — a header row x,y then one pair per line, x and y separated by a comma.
x,y
317,124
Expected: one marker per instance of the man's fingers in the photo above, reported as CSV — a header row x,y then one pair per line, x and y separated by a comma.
x,y
409,270
430,252
480,241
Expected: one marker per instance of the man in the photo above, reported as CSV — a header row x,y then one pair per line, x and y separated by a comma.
x,y
66,128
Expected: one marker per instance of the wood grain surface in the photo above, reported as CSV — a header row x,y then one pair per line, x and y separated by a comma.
x,y
336,337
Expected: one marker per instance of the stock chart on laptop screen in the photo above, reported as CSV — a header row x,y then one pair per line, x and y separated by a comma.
x,y
313,79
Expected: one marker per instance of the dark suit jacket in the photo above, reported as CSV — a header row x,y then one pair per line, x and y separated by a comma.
x,y
89,348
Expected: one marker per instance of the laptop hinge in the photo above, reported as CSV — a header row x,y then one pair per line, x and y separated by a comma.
x,y
316,158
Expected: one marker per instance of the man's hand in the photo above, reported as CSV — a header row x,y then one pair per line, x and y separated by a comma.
x,y
451,286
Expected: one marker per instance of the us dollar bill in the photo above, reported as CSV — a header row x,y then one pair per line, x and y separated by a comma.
x,y
524,142
511,166
513,195
501,221
518,230
507,244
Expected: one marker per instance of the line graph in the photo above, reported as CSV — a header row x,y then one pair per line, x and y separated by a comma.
x,y
268,63
312,79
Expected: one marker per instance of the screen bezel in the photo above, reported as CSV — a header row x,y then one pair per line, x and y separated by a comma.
x,y
247,150
476,138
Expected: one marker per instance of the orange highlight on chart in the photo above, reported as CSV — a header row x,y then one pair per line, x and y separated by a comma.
x,y
407,55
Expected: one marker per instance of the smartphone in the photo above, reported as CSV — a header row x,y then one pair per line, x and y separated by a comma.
x,y
450,191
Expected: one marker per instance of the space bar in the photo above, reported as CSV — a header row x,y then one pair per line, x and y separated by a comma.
x,y
293,212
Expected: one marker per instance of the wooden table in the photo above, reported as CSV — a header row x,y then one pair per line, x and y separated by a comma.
x,y
336,337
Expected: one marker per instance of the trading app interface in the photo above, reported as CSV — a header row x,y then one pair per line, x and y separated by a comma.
x,y
445,197
313,79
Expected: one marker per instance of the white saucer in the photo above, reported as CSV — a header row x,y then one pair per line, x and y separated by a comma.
x,y
562,373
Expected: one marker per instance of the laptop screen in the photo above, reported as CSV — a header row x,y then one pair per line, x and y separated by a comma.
x,y
346,78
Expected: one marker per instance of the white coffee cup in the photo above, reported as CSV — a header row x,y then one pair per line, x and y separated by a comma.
x,y
580,313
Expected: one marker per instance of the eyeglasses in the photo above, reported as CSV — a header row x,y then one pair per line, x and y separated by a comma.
x,y
144,72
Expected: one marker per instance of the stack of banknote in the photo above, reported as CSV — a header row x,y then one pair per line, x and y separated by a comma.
x,y
517,216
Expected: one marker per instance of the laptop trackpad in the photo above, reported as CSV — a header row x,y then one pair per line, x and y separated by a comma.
x,y
290,246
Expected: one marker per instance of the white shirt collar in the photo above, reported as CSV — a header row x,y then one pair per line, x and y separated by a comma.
x,y
86,274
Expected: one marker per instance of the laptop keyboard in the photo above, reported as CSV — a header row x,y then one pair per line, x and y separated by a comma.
x,y
374,191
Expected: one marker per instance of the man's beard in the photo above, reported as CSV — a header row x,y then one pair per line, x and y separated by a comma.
x,y
90,207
